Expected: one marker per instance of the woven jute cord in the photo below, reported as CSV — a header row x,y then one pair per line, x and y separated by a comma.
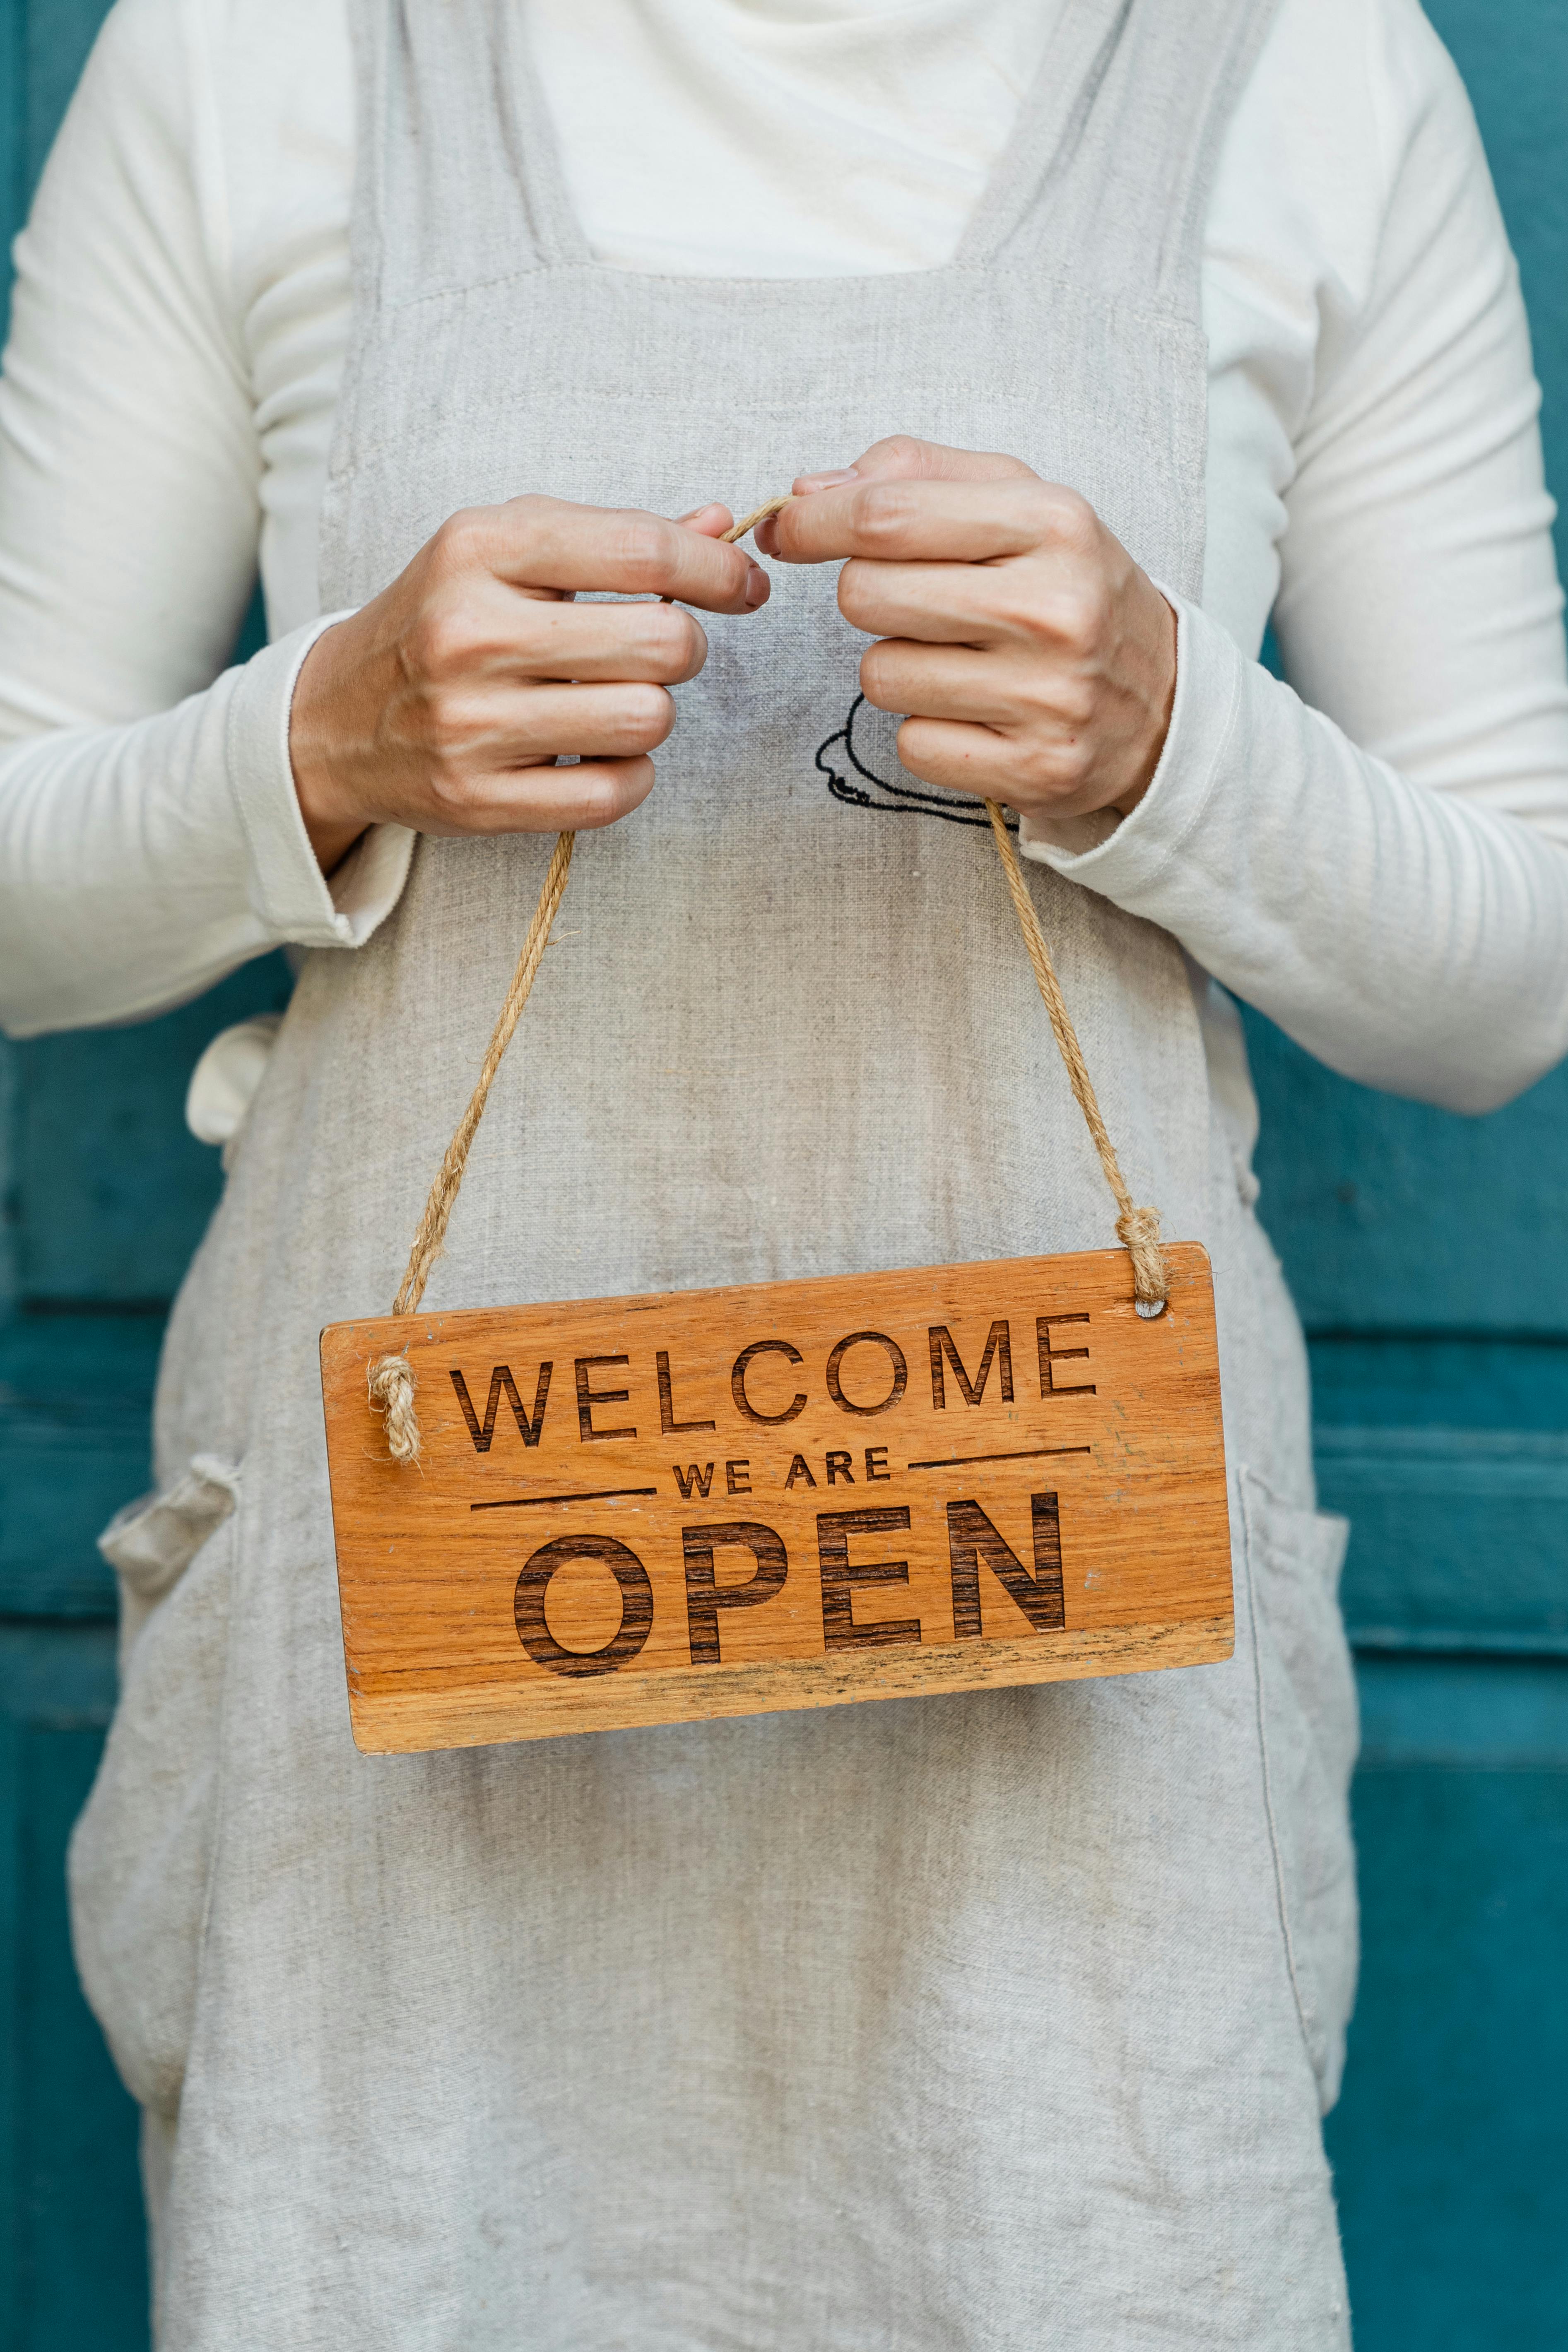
x,y
391,1377
1136,1229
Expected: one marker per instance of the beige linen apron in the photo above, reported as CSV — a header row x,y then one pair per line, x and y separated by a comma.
x,y
978,2021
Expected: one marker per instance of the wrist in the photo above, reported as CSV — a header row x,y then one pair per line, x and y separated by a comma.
x,y
1117,754
332,820
1157,637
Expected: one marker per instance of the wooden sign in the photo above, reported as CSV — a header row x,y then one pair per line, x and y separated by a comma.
x,y
787,1495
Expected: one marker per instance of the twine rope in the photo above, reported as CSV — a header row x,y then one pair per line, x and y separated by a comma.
x,y
390,1379
1136,1229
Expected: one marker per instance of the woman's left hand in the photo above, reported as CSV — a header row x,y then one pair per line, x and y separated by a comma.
x,y
1035,662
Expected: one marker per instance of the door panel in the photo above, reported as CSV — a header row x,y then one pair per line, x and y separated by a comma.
x,y
73,2269
1450,2146
1427,1255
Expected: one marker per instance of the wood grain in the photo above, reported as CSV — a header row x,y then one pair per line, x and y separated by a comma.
x,y
788,1495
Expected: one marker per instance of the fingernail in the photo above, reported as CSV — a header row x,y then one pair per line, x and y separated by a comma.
x,y
805,483
756,585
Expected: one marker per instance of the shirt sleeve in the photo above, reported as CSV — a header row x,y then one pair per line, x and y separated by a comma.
x,y
1378,859
150,837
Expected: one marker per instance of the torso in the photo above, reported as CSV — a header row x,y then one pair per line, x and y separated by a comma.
x,y
1290,239
971,2021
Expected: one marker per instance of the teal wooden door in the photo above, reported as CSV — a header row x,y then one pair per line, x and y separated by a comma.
x,y
1430,1258
102,1196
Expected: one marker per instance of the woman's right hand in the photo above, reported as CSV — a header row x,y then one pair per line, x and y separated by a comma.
x,y
443,703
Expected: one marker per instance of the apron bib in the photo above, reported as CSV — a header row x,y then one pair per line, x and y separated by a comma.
x,y
991,2020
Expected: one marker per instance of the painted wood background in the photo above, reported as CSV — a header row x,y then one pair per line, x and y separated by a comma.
x,y
1430,1259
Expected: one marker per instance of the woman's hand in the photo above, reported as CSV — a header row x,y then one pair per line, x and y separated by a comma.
x,y
444,702
1036,661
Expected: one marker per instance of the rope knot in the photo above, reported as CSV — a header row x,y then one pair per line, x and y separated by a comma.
x,y
1138,1230
392,1384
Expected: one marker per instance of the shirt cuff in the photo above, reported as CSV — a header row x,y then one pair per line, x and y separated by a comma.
x,y
288,890
1123,857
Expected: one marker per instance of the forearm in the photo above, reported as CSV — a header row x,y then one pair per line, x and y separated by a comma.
x,y
139,863
150,839
1407,938
1381,865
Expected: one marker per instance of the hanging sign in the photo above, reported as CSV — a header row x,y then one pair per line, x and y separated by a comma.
x,y
787,1495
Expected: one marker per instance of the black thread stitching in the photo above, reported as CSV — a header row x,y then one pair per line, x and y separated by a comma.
x,y
908,800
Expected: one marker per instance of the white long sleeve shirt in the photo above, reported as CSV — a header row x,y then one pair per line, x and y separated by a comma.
x,y
1382,867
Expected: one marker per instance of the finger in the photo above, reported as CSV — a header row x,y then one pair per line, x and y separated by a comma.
x,y
804,484
766,536
549,543
927,521
1022,771
480,627
944,604
579,799
950,682
902,457
712,521
505,726
962,758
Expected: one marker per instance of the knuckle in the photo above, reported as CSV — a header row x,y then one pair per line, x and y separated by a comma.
x,y
914,748
1068,515
644,716
855,593
448,785
646,548
881,513
438,644
1071,618
606,794
1074,703
1084,615
906,450
1015,605
664,639
521,523
879,678
455,545
1081,754
1064,767
693,642
1033,768
445,728
1066,507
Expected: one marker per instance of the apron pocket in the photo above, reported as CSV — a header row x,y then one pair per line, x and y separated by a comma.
x,y
152,1542
141,1851
1308,1728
